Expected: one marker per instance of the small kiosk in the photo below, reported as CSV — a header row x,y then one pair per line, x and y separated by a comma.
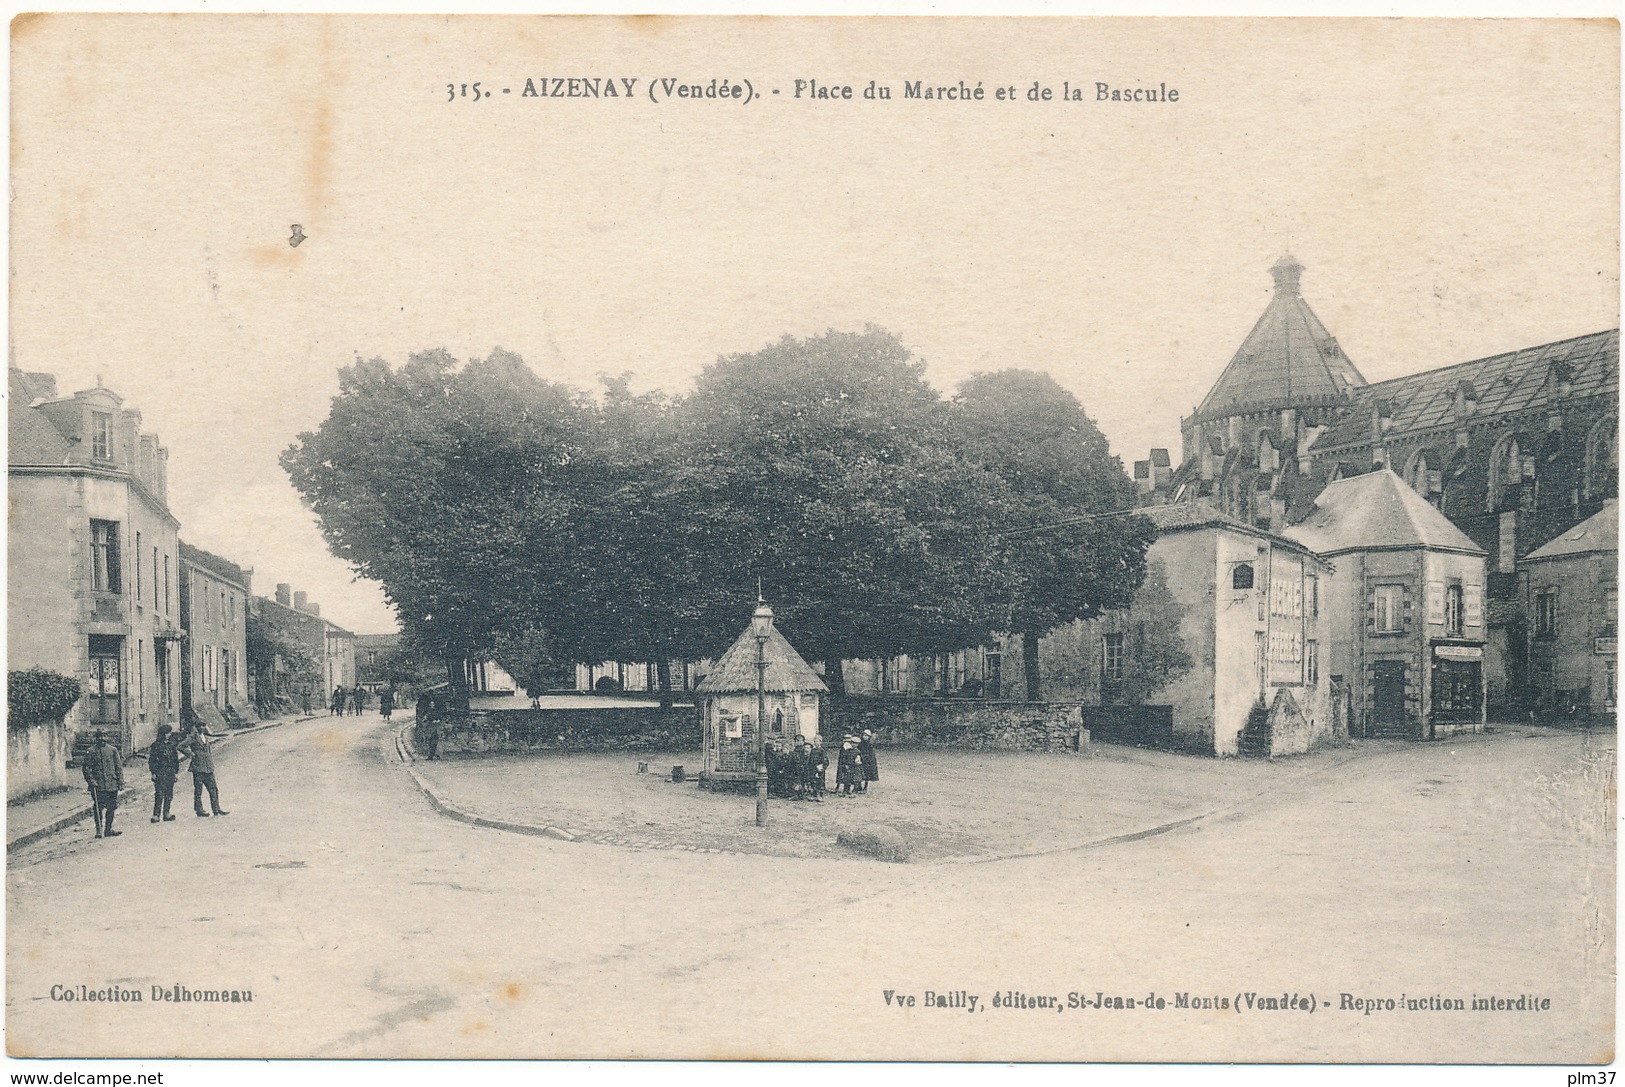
x,y
728,707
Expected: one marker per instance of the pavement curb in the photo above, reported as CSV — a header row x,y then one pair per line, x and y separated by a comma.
x,y
29,837
404,752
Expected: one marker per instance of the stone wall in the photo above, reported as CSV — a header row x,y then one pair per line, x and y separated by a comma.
x,y
613,728
968,724
36,759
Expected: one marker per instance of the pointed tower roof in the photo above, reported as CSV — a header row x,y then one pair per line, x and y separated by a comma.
x,y
1288,360
1376,511
736,670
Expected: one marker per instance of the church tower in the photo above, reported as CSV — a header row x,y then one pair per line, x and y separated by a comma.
x,y
1247,443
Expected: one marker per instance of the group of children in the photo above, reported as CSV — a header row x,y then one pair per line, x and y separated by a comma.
x,y
801,773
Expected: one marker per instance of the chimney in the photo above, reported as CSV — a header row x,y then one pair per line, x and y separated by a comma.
x,y
1286,272
316,610
284,593
301,600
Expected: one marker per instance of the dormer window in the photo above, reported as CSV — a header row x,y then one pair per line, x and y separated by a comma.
x,y
101,435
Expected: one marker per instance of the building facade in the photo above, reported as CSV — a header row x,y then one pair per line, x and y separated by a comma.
x,y
300,656
1570,591
214,614
1514,449
1407,601
94,557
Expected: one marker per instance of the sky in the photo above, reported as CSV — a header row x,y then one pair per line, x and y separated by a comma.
x,y
1451,186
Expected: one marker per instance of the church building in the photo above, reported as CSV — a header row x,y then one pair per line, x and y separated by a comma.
x,y
1514,450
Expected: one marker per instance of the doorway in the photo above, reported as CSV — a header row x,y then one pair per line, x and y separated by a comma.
x,y
1387,696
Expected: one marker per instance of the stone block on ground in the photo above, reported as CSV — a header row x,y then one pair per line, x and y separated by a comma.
x,y
880,842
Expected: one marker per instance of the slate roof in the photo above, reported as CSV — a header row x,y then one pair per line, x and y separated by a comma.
x,y
32,437
1504,384
736,670
223,568
1183,515
1599,532
1376,510
1287,360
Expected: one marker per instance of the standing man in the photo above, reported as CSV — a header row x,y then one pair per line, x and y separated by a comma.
x,y
871,764
426,733
358,699
817,769
338,702
200,746
104,776
164,763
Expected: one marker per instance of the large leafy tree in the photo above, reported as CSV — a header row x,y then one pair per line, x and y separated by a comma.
x,y
503,513
1069,550
455,487
820,467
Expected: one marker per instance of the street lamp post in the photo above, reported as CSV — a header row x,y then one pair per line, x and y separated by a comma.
x,y
761,624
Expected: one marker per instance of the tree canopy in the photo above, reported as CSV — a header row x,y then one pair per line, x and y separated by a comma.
x,y
878,517
1071,553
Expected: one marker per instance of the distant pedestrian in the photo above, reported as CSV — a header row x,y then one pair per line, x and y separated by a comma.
x,y
163,763
386,702
338,702
426,733
848,768
871,764
200,747
358,699
103,768
817,769
305,701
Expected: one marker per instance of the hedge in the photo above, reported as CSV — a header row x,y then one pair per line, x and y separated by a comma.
x,y
37,696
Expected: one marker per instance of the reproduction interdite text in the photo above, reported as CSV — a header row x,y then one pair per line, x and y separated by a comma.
x,y
808,90
1239,1003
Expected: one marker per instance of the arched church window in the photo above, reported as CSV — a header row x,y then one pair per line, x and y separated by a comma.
x,y
1602,458
1506,472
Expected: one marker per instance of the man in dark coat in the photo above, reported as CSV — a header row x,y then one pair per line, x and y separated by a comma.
x,y
426,733
338,701
104,777
871,765
848,768
199,745
358,700
817,768
164,763
796,768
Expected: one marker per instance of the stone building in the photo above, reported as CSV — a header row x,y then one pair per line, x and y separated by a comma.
x,y
1514,449
1570,591
1226,636
93,555
1406,601
315,654
214,595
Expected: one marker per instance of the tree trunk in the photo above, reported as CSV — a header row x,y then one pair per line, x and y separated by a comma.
x,y
457,674
663,675
1029,665
834,678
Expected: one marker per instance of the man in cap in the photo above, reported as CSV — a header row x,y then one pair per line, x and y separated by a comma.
x,y
199,745
103,768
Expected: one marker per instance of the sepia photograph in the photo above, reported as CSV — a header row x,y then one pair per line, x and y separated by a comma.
x,y
812,539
